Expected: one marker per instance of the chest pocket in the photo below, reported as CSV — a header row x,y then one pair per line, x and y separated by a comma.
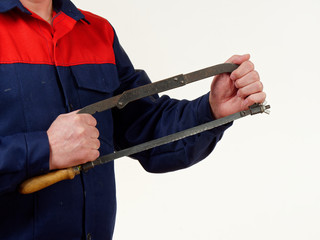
x,y
96,83
97,79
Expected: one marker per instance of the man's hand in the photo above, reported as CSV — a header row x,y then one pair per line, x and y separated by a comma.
x,y
237,91
73,140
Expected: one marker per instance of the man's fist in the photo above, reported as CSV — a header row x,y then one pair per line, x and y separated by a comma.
x,y
73,140
235,92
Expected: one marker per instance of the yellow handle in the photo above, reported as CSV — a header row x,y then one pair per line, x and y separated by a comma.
x,y
40,182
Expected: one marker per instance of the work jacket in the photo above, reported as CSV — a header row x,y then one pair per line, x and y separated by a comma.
x,y
50,69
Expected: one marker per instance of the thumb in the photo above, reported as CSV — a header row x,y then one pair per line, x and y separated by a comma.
x,y
238,59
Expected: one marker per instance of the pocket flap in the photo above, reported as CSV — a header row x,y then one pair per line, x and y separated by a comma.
x,y
96,77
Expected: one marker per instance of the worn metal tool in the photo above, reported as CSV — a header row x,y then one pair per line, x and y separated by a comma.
x,y
39,182
254,109
131,95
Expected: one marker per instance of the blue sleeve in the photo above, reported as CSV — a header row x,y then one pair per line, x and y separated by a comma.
x,y
153,117
22,156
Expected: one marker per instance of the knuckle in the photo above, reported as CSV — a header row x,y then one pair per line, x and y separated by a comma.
x,y
94,144
233,57
61,118
89,119
236,74
237,83
92,155
98,144
96,154
255,75
93,121
264,95
260,86
250,65
83,142
77,118
94,132
251,100
81,131
97,133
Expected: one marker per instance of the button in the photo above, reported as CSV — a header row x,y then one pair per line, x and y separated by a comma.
x,y
89,237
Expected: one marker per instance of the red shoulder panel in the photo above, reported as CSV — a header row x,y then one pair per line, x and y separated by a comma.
x,y
27,39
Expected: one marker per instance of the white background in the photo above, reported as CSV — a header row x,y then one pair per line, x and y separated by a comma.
x,y
262,181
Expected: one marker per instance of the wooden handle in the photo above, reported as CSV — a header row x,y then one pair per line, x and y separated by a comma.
x,y
40,182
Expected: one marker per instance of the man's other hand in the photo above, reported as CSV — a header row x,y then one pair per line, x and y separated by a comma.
x,y
235,92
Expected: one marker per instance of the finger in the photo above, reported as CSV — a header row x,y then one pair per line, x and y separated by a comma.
x,y
259,97
238,59
250,78
87,134
88,119
89,156
93,132
242,70
250,89
94,144
93,155
89,143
